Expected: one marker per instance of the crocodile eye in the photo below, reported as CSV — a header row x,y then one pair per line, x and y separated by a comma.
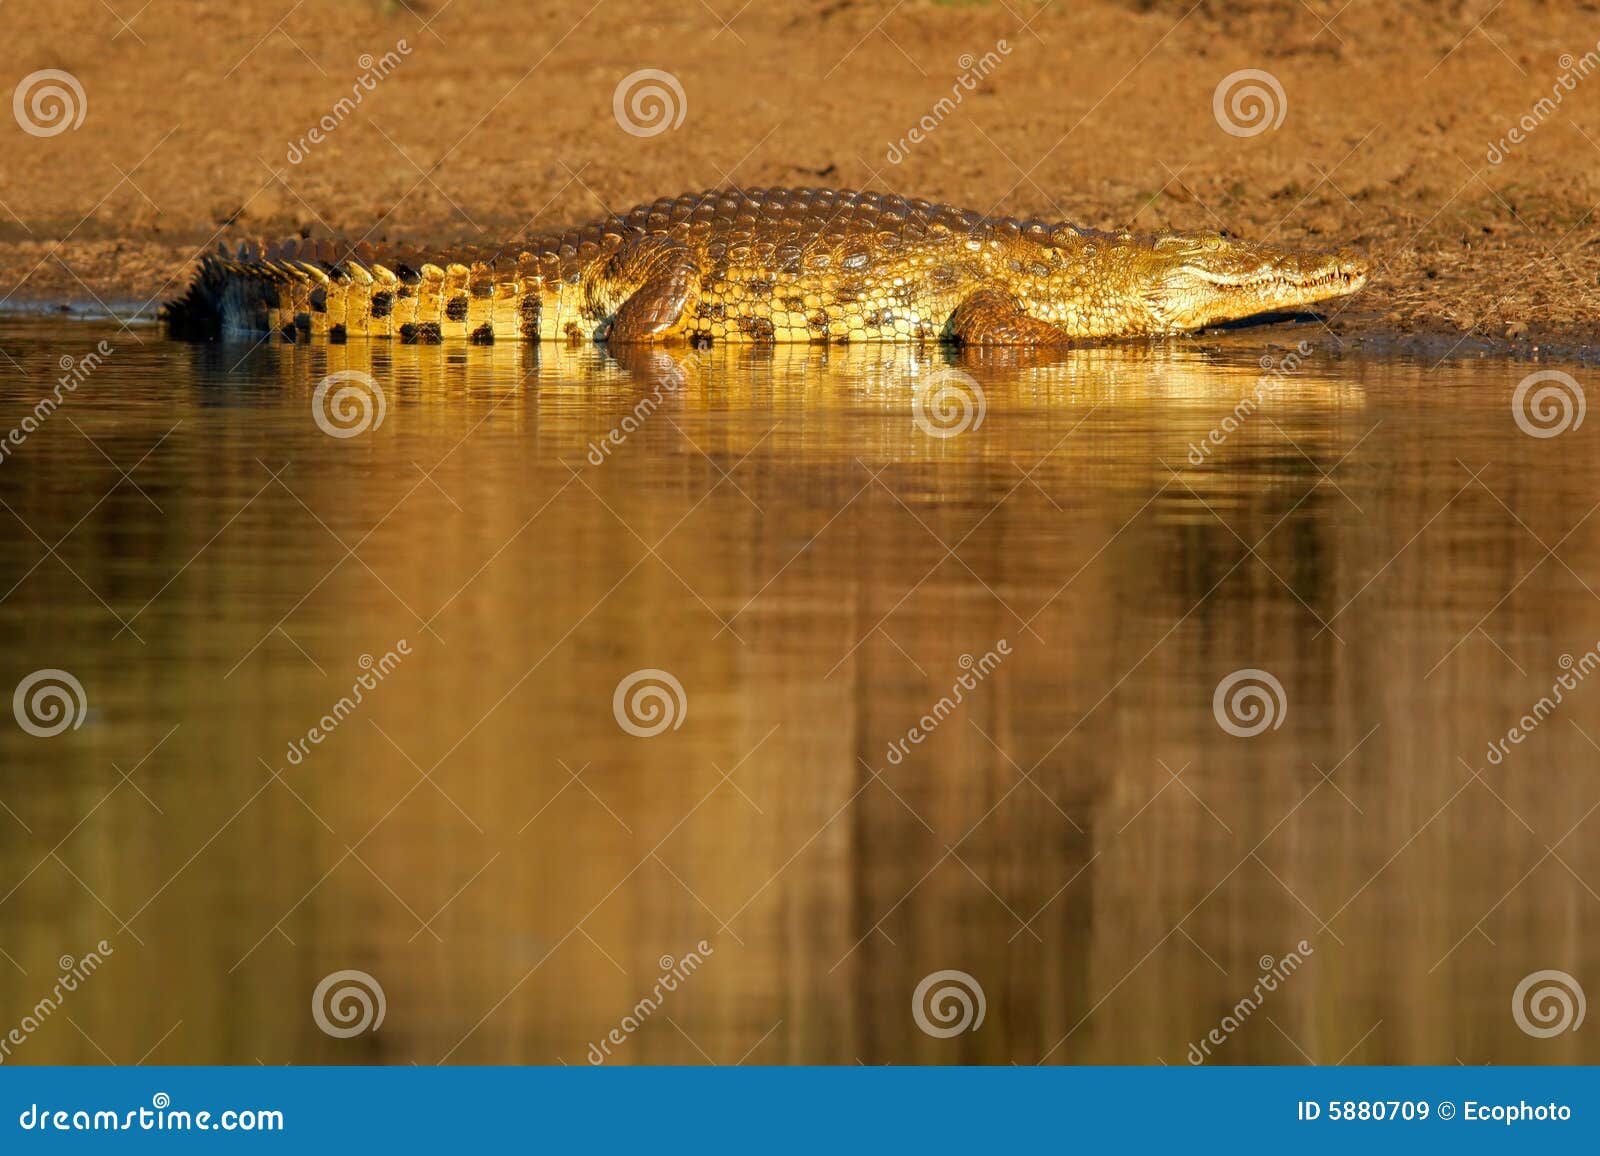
x,y
1215,241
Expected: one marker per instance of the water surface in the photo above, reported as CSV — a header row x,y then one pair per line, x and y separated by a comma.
x,y
1079,834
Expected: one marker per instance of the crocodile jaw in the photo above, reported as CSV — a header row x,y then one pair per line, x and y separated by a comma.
x,y
1237,281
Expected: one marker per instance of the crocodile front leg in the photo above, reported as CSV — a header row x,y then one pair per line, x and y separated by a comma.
x,y
657,281
993,317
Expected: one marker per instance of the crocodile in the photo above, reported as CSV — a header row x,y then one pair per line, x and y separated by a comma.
x,y
765,265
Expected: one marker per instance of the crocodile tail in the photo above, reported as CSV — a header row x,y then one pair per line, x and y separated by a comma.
x,y
197,315
302,289
235,291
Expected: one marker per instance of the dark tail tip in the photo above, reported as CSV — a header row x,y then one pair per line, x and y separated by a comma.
x,y
197,315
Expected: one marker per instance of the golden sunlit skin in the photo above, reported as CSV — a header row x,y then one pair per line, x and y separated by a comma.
x,y
767,265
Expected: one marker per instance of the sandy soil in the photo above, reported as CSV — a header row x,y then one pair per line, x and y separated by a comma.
x,y
493,119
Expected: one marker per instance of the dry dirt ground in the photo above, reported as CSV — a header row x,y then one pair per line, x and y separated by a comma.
x,y
499,118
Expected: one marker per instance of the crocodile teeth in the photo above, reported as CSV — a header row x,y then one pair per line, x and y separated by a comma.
x,y
1272,280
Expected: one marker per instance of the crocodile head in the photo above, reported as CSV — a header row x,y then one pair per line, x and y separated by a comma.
x,y
1190,280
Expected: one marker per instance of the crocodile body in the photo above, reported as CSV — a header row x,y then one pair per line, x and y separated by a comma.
x,y
764,265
